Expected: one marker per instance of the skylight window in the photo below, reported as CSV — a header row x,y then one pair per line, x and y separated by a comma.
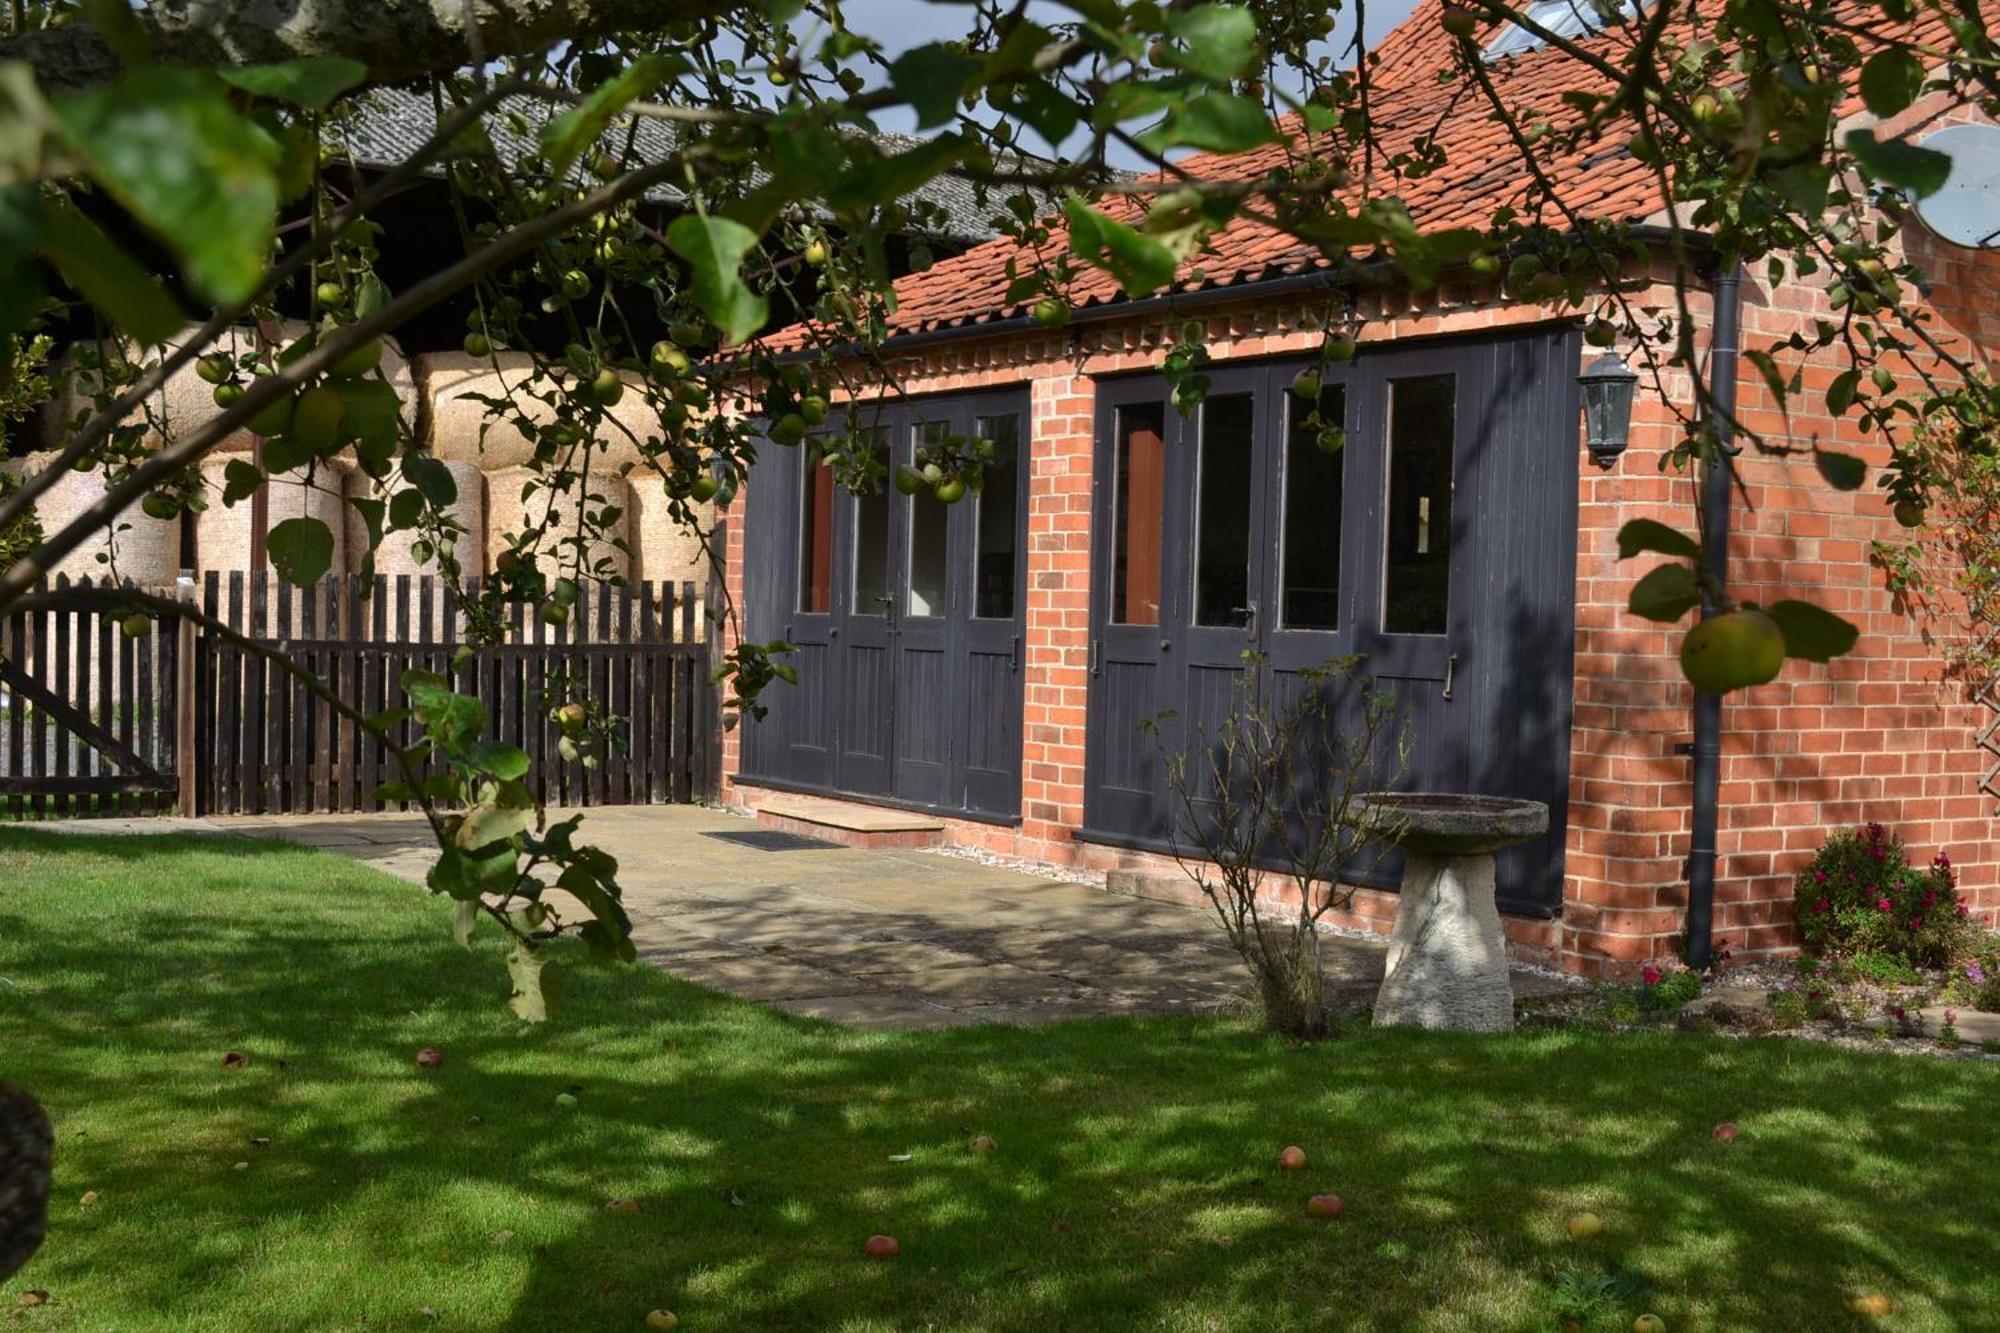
x,y
1564,18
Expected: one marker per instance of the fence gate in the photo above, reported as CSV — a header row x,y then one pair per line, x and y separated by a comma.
x,y
183,718
90,715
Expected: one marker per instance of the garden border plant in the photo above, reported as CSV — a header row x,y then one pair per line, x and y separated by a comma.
x,y
1860,899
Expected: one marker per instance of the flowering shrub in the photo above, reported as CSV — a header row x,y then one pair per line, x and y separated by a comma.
x,y
1861,896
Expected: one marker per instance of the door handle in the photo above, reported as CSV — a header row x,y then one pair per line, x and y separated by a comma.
x,y
1450,669
1249,614
1014,659
1096,656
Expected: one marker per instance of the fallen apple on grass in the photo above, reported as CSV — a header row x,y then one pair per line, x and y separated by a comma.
x,y
881,1247
622,1207
566,1100
430,1057
1325,1205
662,1319
1292,1158
1725,1132
1649,1323
235,1060
984,1145
1583,1226
1870,1305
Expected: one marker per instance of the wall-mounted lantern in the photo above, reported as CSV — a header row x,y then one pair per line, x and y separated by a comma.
x,y
1608,384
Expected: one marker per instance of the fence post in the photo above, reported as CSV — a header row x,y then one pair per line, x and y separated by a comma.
x,y
186,739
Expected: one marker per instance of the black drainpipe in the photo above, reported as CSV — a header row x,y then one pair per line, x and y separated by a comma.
x,y
1726,284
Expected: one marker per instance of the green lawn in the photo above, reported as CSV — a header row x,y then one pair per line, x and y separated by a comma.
x,y
760,1146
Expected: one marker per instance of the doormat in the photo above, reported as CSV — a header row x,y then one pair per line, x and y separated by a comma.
x,y
772,840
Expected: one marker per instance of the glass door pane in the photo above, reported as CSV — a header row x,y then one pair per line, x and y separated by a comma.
x,y
999,503
1315,457
815,532
930,527
871,535
1139,513
1416,564
1222,514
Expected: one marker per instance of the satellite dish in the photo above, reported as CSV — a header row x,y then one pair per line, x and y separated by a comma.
x,y
1966,209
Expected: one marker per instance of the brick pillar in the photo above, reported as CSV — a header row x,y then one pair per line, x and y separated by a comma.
x,y
1056,663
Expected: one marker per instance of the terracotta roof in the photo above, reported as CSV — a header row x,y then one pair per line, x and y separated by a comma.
x,y
1597,178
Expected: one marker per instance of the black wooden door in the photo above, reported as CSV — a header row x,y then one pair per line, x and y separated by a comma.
x,y
863,707
929,610
1135,605
908,614
1419,513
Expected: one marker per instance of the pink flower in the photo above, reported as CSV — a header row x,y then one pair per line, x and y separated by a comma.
x,y
1884,904
1951,1018
1823,906
1961,911
1819,876
1897,1012
1876,851
1916,923
1974,973
1650,975
1942,861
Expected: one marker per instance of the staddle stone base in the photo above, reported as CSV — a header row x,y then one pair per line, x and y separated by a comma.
x,y
1447,963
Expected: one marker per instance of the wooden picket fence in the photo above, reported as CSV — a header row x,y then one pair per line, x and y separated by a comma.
x,y
189,720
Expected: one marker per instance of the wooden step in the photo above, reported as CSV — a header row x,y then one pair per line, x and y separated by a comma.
x,y
850,823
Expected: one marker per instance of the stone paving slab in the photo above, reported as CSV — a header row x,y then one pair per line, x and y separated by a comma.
x,y
875,938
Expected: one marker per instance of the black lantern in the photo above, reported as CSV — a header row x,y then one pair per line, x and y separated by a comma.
x,y
1607,407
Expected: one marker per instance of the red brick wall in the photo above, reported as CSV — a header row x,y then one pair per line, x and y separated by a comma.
x,y
1876,735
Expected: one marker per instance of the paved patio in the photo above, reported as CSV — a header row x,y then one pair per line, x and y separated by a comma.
x,y
874,938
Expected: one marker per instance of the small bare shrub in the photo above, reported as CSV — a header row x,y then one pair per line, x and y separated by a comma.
x,y
1270,798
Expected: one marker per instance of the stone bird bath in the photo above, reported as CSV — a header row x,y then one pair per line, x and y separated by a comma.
x,y
1447,963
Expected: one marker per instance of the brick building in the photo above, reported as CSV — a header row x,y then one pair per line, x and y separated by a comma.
x,y
987,663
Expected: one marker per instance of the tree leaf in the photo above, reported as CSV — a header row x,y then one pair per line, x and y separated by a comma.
x,y
1220,40
310,81
1840,393
1666,594
566,137
1843,472
167,145
932,78
464,916
485,825
1900,163
1890,81
1214,123
432,478
1812,632
524,973
1767,367
240,480
505,762
1645,534
109,279
1141,263
24,123
714,249
371,511
301,550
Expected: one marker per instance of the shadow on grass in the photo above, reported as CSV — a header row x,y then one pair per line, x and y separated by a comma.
x,y
759,1146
